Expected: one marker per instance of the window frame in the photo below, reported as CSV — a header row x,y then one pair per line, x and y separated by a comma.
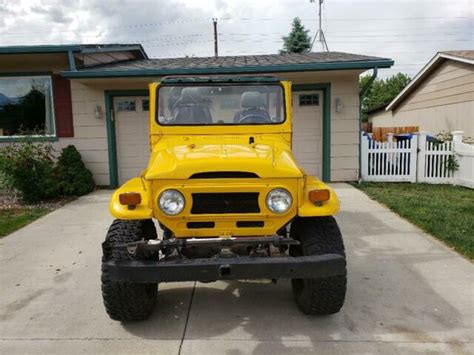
x,y
51,120
308,99
278,84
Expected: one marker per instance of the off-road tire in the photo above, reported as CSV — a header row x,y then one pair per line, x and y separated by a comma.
x,y
127,301
318,235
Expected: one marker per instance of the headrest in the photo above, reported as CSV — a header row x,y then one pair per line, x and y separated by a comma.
x,y
251,99
191,96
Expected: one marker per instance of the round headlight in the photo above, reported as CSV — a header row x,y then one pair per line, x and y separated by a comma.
x,y
171,202
279,200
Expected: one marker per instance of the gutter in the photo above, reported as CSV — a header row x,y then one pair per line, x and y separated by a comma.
x,y
275,68
362,93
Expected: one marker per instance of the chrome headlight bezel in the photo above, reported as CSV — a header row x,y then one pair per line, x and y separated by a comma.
x,y
284,196
177,196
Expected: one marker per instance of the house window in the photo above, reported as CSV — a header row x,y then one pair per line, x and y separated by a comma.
x,y
126,105
145,105
26,106
309,100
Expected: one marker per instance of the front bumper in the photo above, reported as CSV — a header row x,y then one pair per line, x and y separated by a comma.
x,y
224,268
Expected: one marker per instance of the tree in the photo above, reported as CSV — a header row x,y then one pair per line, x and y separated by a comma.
x,y
298,41
381,91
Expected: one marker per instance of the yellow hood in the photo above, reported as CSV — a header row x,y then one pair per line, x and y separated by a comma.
x,y
181,157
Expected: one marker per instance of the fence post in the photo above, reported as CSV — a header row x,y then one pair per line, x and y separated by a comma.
x,y
421,149
365,156
413,158
457,138
457,141
390,137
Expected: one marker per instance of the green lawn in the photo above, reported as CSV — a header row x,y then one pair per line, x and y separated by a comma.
x,y
13,219
444,211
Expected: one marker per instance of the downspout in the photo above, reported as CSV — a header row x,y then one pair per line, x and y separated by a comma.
x,y
362,93
72,60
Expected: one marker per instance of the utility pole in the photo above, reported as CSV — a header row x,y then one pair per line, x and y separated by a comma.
x,y
216,52
319,33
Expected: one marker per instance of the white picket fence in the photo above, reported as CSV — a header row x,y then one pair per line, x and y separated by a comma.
x,y
418,160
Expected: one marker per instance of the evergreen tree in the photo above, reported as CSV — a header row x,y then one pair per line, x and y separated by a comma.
x,y
298,41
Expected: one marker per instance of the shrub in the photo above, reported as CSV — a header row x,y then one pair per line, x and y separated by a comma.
x,y
28,167
73,176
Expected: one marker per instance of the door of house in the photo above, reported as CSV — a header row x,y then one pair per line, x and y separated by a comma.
x,y
132,134
307,130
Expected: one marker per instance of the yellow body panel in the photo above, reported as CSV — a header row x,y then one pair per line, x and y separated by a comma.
x,y
178,152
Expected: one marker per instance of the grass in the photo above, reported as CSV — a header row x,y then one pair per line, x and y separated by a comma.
x,y
13,219
444,211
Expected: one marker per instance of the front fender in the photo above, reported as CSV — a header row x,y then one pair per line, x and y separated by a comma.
x,y
308,209
141,211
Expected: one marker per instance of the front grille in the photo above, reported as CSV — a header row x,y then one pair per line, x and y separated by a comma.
x,y
228,202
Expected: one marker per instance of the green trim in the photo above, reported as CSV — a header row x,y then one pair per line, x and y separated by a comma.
x,y
42,49
14,139
26,73
72,61
326,89
277,68
39,49
110,123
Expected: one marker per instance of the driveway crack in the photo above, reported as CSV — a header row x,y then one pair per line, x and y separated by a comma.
x,y
187,319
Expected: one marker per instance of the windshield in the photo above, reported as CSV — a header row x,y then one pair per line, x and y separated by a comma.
x,y
220,105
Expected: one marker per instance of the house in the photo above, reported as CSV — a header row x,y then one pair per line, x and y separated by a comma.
x,y
439,98
95,97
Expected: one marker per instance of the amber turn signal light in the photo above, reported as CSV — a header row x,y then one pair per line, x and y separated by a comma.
x,y
130,198
317,196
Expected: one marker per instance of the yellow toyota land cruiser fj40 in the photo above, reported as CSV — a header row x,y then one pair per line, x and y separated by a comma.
x,y
231,199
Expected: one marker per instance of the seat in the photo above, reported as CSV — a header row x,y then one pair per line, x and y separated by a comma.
x,y
252,104
191,108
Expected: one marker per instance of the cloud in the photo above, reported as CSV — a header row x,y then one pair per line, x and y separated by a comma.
x,y
53,14
409,31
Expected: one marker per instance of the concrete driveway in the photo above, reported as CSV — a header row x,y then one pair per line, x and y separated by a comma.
x,y
407,293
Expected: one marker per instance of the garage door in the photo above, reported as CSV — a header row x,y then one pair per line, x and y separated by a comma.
x,y
131,129
307,130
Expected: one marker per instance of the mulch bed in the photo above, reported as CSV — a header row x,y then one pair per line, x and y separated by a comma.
x,y
9,201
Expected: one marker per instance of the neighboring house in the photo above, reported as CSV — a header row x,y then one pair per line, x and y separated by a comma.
x,y
439,98
95,97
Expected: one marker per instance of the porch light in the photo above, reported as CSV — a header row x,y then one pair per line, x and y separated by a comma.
x,y
98,112
338,105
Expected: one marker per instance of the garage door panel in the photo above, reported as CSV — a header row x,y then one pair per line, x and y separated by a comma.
x,y
132,132
307,133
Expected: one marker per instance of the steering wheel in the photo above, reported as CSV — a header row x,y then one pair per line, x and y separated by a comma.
x,y
255,118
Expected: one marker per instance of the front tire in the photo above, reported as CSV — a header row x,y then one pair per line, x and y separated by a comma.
x,y
318,236
127,301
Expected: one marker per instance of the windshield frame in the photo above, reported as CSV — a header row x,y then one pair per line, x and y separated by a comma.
x,y
200,84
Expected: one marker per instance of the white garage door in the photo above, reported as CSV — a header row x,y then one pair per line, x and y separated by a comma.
x,y
132,133
307,130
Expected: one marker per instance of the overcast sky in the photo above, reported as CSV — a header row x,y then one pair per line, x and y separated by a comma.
x,y
408,31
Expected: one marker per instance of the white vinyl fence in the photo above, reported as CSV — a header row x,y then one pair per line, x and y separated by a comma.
x,y
418,160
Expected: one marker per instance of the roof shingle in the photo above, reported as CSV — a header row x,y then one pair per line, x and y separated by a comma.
x,y
236,61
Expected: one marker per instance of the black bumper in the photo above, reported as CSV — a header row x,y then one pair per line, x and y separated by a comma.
x,y
233,268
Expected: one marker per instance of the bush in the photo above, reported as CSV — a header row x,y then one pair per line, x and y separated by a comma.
x,y
73,176
29,168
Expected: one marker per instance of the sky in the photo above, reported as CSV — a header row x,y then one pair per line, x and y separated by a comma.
x,y
408,31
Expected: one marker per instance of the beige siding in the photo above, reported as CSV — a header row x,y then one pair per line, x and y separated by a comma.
x,y
90,134
442,102
382,119
344,124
